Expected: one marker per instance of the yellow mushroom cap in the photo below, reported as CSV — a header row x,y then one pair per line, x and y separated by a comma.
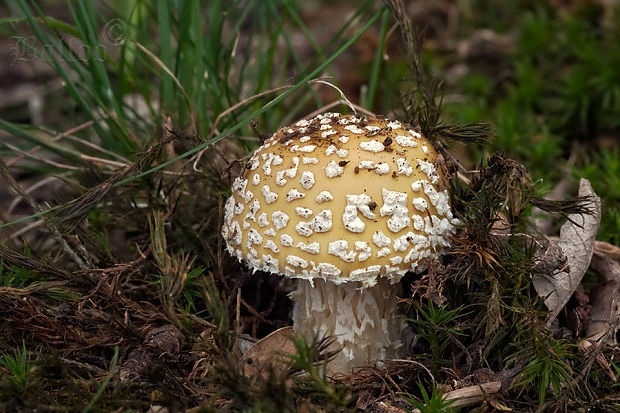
x,y
340,197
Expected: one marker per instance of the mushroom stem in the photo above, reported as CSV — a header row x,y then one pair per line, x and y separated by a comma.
x,y
364,321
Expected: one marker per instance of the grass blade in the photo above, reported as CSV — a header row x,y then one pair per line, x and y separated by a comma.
x,y
105,383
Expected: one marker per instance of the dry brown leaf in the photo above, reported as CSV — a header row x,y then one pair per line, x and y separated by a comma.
x,y
608,250
577,238
605,299
268,353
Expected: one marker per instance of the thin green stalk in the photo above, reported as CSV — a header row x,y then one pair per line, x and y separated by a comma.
x,y
376,64
105,382
166,56
47,20
304,29
52,146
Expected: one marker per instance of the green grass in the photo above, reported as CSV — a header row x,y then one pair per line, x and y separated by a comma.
x,y
549,361
438,327
19,366
431,403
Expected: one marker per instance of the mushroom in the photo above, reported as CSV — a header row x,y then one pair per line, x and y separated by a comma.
x,y
346,204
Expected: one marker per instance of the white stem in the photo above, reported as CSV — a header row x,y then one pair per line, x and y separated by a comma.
x,y
364,321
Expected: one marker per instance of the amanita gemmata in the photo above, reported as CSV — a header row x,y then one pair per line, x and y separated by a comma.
x,y
346,204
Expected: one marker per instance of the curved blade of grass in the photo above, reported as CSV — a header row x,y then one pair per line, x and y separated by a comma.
x,y
304,29
85,15
266,60
190,58
241,21
47,20
163,67
29,217
105,382
54,147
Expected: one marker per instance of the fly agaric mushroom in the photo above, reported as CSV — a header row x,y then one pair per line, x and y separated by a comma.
x,y
346,204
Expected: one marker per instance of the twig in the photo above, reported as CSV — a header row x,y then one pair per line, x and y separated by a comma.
x,y
336,103
243,102
468,396
255,313
196,158
604,297
94,369
607,249
237,319
462,172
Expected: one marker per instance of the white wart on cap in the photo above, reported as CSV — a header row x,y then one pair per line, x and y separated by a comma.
x,y
342,198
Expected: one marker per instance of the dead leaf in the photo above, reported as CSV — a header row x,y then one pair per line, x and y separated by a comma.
x,y
268,353
608,250
605,298
577,237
